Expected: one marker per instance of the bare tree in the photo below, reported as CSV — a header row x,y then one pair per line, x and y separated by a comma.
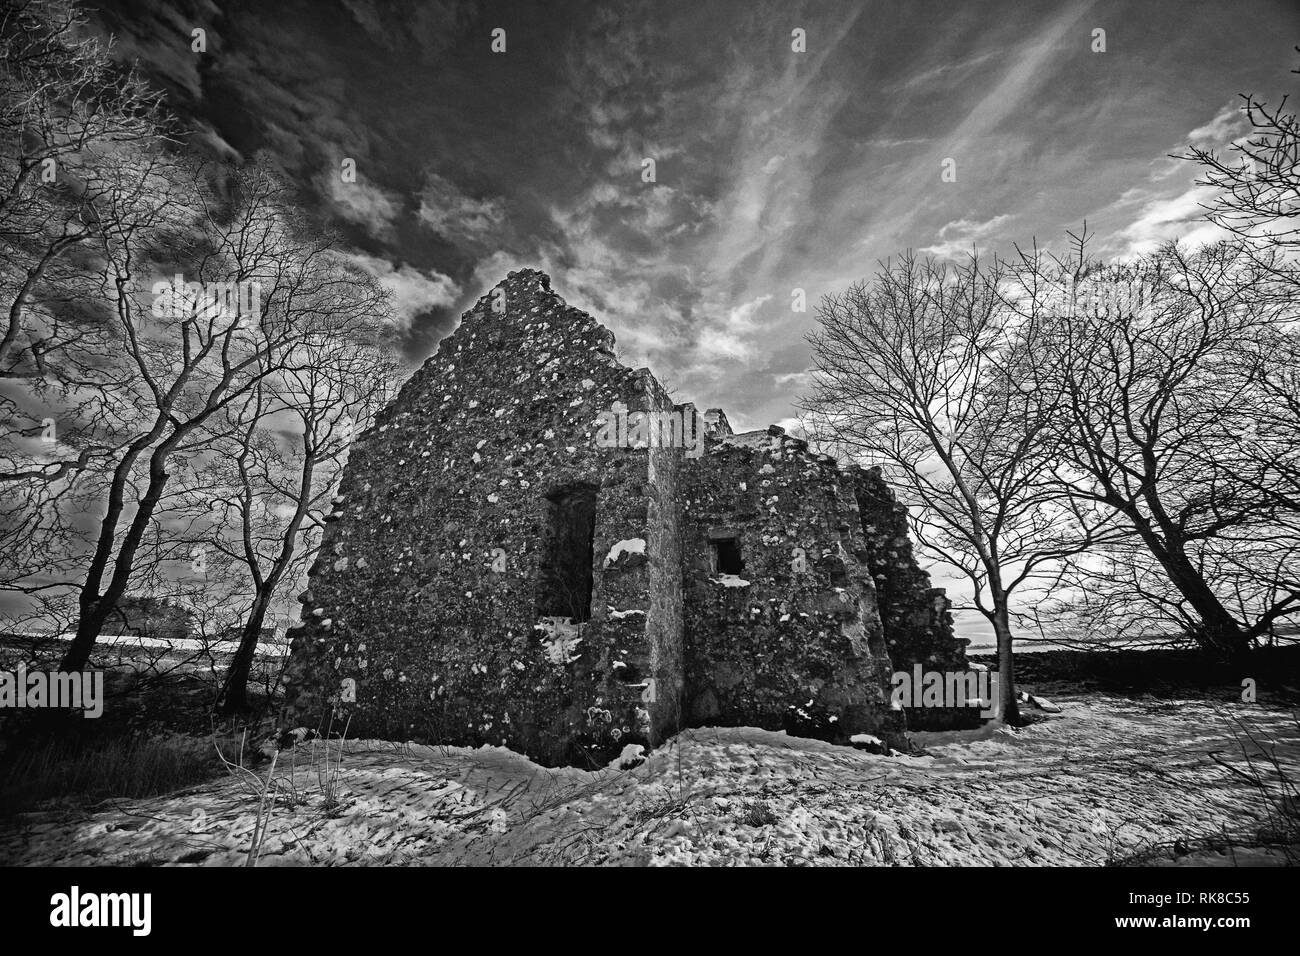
x,y
291,435
67,111
1146,357
186,354
119,406
1258,183
1120,595
917,371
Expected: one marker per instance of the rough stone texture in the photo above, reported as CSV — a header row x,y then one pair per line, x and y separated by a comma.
x,y
917,617
461,532
451,481
798,626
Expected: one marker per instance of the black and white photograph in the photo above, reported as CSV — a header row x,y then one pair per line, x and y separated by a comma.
x,y
452,433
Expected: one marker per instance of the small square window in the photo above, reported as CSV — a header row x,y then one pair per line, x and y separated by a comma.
x,y
726,556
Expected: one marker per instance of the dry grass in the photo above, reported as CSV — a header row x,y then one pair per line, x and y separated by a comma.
x,y
91,770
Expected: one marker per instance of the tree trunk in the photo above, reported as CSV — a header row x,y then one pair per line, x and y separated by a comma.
x,y
234,692
1008,707
1220,633
89,623
34,276
95,606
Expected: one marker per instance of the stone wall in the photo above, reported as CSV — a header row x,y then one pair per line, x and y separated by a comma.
x,y
797,627
664,622
420,619
449,602
916,616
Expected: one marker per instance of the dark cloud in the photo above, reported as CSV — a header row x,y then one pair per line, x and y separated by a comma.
x,y
774,170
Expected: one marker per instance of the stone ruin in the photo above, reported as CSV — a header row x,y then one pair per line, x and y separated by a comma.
x,y
534,547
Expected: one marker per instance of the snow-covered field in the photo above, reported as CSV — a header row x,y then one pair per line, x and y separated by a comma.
x,y
138,642
1104,779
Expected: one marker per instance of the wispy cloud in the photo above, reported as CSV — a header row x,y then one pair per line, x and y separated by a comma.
x,y
776,170
414,291
731,340
946,74
454,215
1227,125
363,203
1163,218
1168,203
961,237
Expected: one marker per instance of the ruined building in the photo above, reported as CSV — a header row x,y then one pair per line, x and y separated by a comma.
x,y
533,546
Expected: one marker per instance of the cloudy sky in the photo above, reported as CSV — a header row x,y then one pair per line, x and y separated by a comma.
x,y
775,170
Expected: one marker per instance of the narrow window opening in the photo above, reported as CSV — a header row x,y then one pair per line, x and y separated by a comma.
x,y
565,573
839,574
726,556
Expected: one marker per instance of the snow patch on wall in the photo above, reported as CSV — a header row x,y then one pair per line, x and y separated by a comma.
x,y
561,639
730,581
626,546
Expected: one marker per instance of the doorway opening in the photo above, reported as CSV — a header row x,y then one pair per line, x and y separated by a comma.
x,y
564,580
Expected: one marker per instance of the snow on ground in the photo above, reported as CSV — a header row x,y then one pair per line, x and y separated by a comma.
x,y
1105,778
177,644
